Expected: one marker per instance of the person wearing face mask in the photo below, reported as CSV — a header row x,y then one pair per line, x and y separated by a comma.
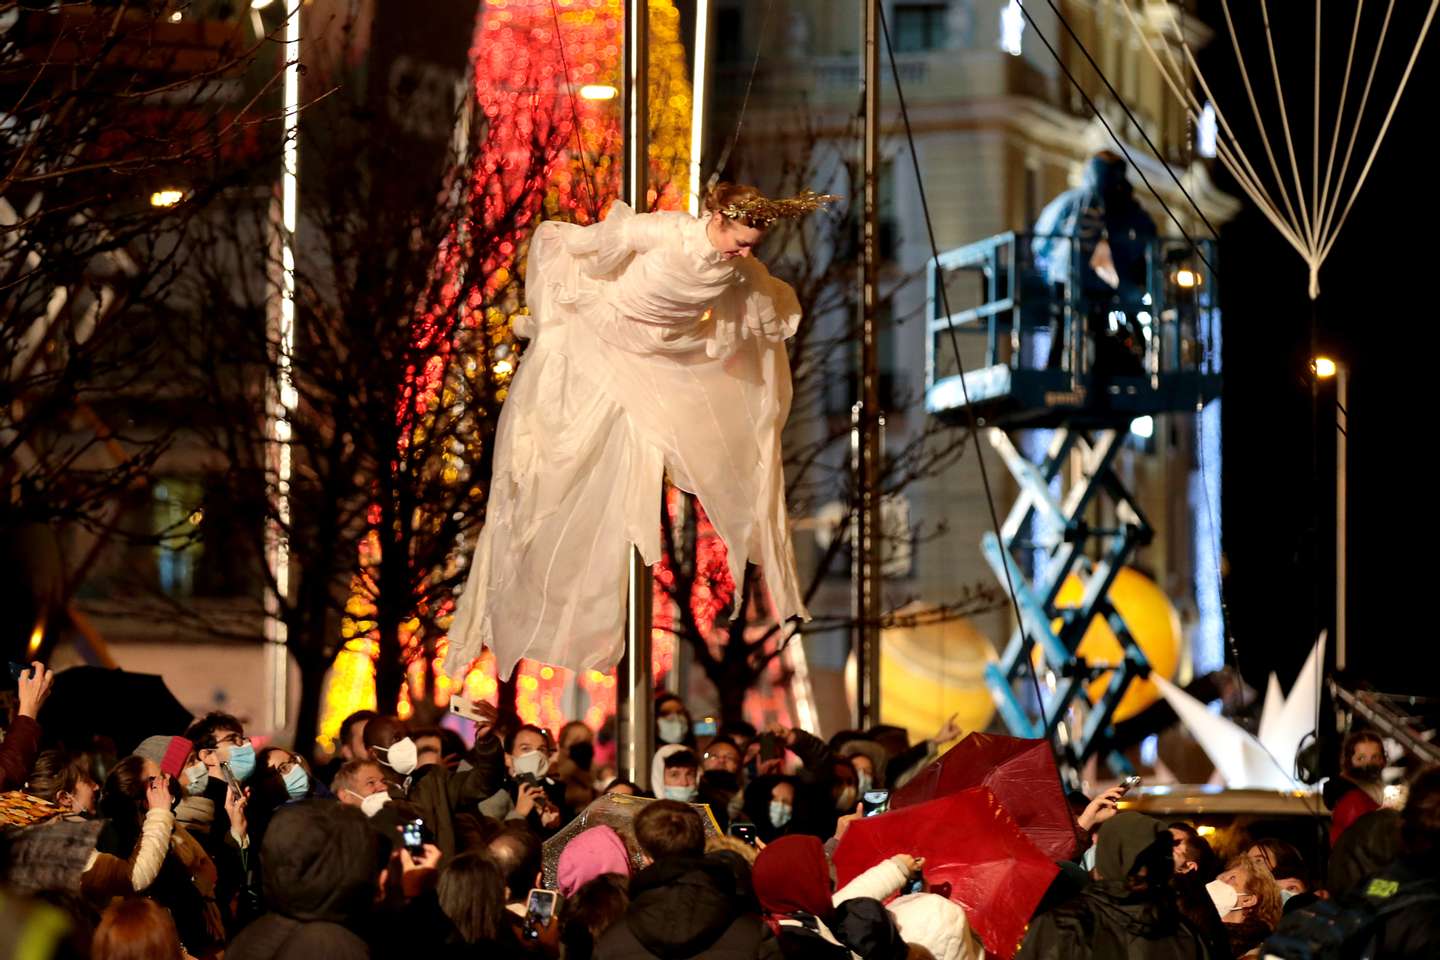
x,y
362,784
675,773
219,738
1248,900
770,804
66,782
720,781
1360,788
672,722
1128,910
434,790
530,793
574,765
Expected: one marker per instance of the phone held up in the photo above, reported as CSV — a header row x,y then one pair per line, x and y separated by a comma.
x,y
875,802
412,837
744,832
1130,783
539,911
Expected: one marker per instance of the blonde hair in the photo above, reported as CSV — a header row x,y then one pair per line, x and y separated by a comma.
x,y
715,844
1260,882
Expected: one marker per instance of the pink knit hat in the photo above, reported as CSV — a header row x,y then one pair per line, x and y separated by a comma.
x,y
594,853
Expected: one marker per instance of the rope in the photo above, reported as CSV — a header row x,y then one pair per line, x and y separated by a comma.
x,y
1089,102
972,424
1310,228
575,117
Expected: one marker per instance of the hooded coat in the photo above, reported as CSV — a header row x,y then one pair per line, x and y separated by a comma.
x,y
1111,919
685,907
321,862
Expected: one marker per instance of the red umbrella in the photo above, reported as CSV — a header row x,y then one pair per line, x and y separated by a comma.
x,y
971,846
1022,774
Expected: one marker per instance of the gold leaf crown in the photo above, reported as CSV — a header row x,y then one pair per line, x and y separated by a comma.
x,y
760,212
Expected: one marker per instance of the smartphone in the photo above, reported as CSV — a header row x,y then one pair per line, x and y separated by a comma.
x,y
744,832
770,747
463,706
875,802
1130,783
18,670
412,837
230,780
706,727
539,910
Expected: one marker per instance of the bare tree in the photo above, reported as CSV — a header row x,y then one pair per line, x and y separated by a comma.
x,y
407,278
120,128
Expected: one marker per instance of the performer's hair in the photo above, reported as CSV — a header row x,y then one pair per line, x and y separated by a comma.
x,y
725,193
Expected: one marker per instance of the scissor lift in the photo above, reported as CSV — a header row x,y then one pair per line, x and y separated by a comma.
x,y
1025,385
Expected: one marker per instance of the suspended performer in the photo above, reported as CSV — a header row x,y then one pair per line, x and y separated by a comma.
x,y
657,345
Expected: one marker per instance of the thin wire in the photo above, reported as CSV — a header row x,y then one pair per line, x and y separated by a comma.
x,y
1118,142
972,423
575,114
1124,106
744,102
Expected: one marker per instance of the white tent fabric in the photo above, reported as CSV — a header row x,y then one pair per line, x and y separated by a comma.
x,y
1310,220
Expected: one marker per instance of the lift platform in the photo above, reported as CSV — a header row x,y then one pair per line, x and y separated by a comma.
x,y
1025,382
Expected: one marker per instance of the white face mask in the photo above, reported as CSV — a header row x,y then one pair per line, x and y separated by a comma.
x,y
865,782
1222,895
681,794
780,813
534,763
672,728
402,757
846,801
372,804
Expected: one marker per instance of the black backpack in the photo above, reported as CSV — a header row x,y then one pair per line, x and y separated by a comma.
x,y
1347,929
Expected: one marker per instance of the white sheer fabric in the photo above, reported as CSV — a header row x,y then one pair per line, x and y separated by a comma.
x,y
649,353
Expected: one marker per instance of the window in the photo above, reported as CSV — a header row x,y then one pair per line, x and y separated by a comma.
x,y
920,26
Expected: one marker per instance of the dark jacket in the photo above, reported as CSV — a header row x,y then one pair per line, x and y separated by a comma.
x,y
438,792
17,752
321,864
684,907
1108,922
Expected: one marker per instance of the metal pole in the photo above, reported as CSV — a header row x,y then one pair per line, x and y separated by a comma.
x,y
281,397
635,681
1342,420
865,562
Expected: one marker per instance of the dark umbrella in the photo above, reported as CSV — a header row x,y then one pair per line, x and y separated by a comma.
x,y
126,707
1022,775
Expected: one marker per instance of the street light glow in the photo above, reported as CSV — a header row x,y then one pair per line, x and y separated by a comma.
x,y
167,197
1187,279
598,91
1324,367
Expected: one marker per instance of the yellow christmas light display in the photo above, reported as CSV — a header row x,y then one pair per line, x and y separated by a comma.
x,y
515,42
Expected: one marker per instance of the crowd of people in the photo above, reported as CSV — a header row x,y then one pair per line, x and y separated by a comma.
x,y
410,842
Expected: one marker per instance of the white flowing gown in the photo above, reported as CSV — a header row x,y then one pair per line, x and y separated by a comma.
x,y
649,352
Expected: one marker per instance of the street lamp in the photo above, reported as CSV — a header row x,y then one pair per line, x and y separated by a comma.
x,y
1324,367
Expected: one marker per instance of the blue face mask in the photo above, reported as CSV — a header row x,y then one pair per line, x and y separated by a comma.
x,y
682,794
297,782
241,761
780,814
1285,896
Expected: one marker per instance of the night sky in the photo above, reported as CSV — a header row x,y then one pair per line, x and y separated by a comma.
x,y
1378,310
